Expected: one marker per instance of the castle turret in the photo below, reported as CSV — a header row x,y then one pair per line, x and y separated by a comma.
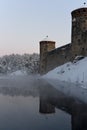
x,y
79,31
45,46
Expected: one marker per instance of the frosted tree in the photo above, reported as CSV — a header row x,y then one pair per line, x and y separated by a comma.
x,y
14,62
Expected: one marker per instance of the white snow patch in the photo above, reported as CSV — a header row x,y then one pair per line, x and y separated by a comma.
x,y
47,39
70,72
18,73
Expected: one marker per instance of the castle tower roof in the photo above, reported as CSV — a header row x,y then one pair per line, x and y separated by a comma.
x,y
79,12
46,39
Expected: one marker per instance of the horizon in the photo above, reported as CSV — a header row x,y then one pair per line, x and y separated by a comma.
x,y
24,23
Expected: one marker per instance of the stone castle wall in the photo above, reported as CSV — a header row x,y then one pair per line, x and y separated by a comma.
x,y
58,57
51,57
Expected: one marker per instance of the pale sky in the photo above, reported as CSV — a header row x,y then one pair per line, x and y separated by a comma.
x,y
23,23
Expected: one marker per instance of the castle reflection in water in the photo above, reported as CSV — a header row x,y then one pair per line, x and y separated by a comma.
x,y
50,98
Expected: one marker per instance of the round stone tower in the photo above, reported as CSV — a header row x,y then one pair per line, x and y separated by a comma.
x,y
79,31
45,46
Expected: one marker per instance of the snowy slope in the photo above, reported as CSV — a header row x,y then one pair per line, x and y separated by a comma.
x,y
70,72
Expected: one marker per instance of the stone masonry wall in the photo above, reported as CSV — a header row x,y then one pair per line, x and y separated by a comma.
x,y
58,57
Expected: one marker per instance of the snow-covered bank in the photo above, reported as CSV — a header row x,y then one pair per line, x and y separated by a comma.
x,y
70,78
18,73
70,72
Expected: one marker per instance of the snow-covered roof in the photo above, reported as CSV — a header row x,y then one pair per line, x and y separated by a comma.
x,y
47,39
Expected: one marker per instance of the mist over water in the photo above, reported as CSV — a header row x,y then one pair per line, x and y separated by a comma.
x,y
30,103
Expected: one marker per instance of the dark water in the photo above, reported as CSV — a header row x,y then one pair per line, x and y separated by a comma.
x,y
39,106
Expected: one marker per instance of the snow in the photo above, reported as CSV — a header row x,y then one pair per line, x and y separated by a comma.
x,y
16,62
47,39
70,78
18,73
70,72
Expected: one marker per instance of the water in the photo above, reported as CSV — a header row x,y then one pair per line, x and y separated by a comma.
x,y
27,103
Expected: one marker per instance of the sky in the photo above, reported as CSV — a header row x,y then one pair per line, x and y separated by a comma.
x,y
23,23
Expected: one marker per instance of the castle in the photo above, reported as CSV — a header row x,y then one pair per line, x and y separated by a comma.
x,y
51,57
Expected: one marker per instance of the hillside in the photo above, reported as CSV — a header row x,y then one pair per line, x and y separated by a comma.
x,y
75,72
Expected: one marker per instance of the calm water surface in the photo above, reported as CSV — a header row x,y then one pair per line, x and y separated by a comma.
x,y
35,105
